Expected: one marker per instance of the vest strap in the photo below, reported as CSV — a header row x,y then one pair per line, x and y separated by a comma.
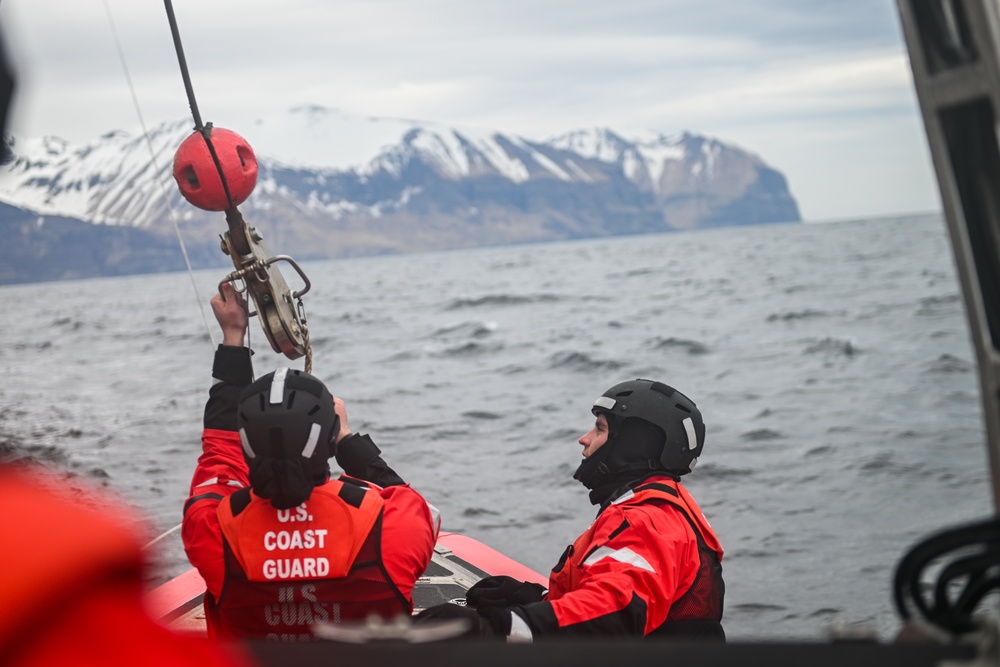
x,y
204,496
658,487
352,495
239,501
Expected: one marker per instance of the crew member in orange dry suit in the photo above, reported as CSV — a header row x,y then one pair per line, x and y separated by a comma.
x,y
649,565
280,545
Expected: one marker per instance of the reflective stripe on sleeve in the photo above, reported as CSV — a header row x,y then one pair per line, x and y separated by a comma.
x,y
625,555
215,480
520,633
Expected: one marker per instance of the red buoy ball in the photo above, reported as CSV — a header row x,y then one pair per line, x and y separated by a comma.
x,y
198,177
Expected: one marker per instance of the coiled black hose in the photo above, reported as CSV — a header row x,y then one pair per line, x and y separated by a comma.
x,y
969,561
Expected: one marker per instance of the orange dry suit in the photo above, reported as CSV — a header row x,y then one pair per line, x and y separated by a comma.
x,y
649,565
283,567
386,528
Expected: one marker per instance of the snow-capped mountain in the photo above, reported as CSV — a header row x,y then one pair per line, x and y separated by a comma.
x,y
335,185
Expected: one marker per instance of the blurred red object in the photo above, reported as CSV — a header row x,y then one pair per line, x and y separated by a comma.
x,y
72,584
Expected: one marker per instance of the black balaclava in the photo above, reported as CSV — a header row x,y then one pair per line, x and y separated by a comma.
x,y
286,481
631,452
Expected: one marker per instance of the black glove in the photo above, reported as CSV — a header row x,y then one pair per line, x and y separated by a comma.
x,y
503,591
496,623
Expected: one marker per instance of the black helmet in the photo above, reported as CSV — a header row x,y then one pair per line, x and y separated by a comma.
x,y
288,427
670,411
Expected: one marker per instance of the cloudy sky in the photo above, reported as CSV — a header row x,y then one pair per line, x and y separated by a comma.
x,y
820,89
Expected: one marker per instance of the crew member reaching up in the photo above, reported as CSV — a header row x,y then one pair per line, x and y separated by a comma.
x,y
280,544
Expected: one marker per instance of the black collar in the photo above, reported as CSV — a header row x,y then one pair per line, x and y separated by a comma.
x,y
619,489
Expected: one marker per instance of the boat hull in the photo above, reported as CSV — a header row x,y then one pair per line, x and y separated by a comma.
x,y
459,561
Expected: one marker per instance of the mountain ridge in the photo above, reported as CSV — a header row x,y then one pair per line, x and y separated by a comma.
x,y
332,185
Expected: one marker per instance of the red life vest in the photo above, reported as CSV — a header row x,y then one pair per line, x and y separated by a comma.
x,y
320,562
696,611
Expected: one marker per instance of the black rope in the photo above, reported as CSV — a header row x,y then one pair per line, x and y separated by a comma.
x,y
204,130
183,63
206,133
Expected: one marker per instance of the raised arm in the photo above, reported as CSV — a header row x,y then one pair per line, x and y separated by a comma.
x,y
359,457
221,469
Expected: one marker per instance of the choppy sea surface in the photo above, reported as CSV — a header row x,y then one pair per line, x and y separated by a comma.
x,y
832,364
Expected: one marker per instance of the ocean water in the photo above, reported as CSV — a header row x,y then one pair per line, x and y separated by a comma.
x,y
832,364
